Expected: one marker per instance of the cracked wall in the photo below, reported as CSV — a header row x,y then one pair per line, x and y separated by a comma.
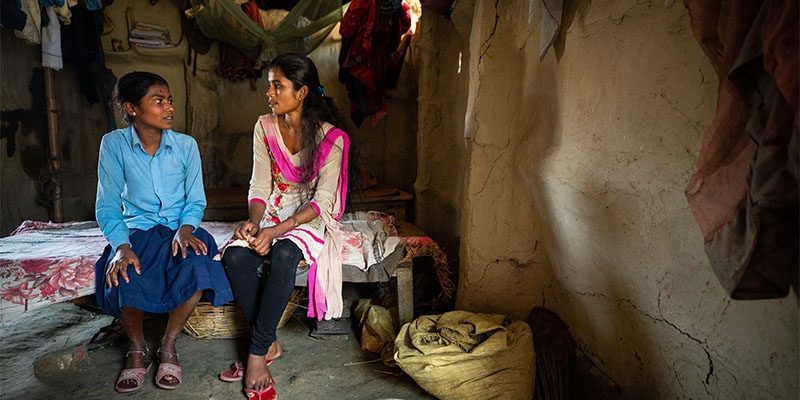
x,y
572,195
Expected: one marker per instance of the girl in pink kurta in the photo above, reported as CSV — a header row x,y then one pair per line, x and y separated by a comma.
x,y
297,195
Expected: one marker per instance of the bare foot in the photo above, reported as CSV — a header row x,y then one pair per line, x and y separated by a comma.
x,y
275,351
257,375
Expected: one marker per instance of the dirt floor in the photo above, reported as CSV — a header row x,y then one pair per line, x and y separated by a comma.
x,y
38,360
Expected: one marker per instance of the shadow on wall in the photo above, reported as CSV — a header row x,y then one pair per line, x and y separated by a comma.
x,y
26,132
571,12
622,334
587,378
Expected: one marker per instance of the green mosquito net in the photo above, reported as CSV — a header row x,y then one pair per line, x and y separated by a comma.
x,y
300,31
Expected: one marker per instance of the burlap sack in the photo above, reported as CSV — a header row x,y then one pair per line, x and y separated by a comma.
x,y
461,355
377,332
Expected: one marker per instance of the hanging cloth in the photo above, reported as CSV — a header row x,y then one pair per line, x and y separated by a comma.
x,y
11,16
32,32
51,42
744,194
372,32
551,24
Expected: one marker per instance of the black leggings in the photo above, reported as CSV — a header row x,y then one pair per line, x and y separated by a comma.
x,y
263,299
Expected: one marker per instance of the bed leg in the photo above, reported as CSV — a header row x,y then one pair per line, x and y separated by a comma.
x,y
405,292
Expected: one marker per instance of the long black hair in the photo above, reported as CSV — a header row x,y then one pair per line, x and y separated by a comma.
x,y
318,108
131,88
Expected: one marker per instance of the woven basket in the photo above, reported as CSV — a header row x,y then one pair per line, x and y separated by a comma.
x,y
294,302
228,321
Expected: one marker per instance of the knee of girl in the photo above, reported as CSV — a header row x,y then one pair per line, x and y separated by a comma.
x,y
232,257
283,254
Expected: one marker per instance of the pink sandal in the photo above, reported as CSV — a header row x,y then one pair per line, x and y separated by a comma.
x,y
168,369
236,373
132,374
267,394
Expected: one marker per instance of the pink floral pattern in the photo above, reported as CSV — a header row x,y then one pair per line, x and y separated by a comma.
x,y
276,170
17,294
276,198
43,263
352,242
71,276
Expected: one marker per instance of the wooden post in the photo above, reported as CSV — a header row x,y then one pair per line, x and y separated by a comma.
x,y
55,157
405,292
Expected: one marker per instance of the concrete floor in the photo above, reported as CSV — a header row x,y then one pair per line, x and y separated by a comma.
x,y
310,368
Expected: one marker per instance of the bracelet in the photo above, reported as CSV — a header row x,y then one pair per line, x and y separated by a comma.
x,y
296,222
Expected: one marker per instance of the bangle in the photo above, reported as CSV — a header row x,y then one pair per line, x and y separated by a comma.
x,y
296,222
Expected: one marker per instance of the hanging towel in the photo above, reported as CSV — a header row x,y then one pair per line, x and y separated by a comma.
x,y
51,42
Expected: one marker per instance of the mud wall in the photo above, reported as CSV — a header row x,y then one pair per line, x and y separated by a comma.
x,y
571,194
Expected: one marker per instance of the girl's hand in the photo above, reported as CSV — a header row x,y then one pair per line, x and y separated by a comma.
x,y
184,238
118,266
245,231
262,243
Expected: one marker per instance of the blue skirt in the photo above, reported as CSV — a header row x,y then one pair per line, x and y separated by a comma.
x,y
166,282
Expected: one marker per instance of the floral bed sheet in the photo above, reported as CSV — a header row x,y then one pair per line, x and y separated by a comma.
x,y
44,262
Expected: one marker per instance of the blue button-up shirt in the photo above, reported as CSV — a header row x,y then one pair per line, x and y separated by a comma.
x,y
138,191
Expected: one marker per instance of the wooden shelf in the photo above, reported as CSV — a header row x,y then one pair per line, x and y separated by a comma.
x,y
386,199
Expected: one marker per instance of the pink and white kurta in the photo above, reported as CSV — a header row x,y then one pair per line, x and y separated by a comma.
x,y
275,182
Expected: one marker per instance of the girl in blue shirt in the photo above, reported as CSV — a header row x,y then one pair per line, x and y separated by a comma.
x,y
150,202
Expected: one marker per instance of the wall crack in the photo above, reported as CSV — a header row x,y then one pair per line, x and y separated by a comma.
x,y
486,43
489,173
703,344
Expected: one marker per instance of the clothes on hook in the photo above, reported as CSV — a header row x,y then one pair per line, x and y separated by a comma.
x,y
744,194
375,35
